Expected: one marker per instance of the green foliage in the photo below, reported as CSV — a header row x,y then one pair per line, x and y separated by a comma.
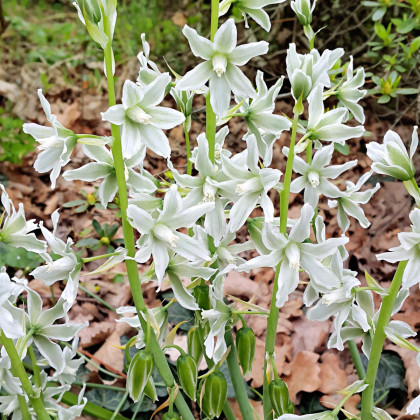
x,y
395,48
106,238
18,258
89,200
14,143
390,377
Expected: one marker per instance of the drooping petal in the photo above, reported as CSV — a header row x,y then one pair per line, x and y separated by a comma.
x,y
242,54
197,77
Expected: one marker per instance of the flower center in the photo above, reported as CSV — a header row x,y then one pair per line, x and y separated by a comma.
x,y
313,178
249,186
219,64
293,255
165,234
137,115
209,192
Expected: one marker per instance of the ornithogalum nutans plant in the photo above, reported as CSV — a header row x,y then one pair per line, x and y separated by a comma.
x,y
189,227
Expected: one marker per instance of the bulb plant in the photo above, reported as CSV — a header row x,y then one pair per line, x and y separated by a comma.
x,y
191,230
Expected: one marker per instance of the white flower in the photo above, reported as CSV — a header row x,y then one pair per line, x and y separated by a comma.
x,y
309,70
142,120
56,143
65,268
329,125
221,66
218,318
293,254
349,202
149,71
71,364
159,231
391,157
16,230
205,188
260,118
349,93
408,250
41,328
324,415
253,8
248,185
104,168
315,176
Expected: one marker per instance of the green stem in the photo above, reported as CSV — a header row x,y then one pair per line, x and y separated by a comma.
x,y
210,115
96,297
284,195
274,311
18,370
53,300
120,405
270,339
23,408
35,367
309,153
99,257
237,380
357,360
378,341
132,271
188,147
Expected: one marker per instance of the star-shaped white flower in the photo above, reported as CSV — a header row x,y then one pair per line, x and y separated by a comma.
x,y
293,253
348,203
142,120
315,176
56,142
221,66
15,230
409,250
159,233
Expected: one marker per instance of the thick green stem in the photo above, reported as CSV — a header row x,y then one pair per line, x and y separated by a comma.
x,y
309,152
210,115
18,370
379,340
132,272
188,147
237,380
23,408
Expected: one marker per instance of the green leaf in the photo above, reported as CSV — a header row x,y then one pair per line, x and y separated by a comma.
x,y
177,314
384,99
343,149
231,391
310,403
88,242
106,398
390,377
407,91
18,258
73,203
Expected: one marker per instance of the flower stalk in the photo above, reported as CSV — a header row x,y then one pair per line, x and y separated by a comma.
x,y
132,272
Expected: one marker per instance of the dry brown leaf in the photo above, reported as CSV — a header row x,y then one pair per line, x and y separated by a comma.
x,y
257,406
333,378
303,374
179,19
109,354
309,335
331,401
96,333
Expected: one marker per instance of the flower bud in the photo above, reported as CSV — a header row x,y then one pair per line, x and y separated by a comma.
x,y
92,10
195,348
150,389
138,375
214,395
279,397
202,296
245,346
303,10
301,84
187,374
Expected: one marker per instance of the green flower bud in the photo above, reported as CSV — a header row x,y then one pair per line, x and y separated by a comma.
x,y
195,348
172,416
201,294
279,397
303,10
214,395
245,345
138,374
301,84
187,374
150,389
92,10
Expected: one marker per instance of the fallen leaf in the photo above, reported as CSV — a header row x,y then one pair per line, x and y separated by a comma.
x,y
111,355
96,333
333,378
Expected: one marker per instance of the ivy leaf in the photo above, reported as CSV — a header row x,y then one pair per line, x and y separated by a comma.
x,y
390,377
107,398
310,403
177,314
